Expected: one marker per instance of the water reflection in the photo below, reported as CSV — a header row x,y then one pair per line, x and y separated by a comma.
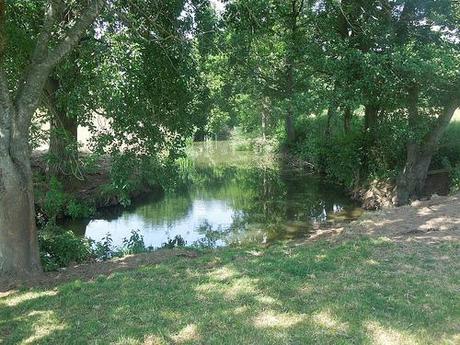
x,y
233,197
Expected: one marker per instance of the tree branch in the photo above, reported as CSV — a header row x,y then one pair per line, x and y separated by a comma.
x,y
432,138
52,12
75,33
28,96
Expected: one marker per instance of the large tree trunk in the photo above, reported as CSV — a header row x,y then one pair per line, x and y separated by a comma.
x,y
18,236
412,179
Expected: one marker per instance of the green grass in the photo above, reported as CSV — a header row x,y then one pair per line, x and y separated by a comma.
x,y
362,291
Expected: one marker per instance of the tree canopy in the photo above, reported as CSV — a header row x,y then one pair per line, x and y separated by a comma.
x,y
361,89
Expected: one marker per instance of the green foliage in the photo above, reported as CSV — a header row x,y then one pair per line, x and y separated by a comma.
x,y
60,248
103,250
58,203
134,244
55,199
79,209
177,241
340,157
449,149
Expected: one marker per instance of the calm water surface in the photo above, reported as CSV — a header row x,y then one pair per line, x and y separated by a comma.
x,y
232,197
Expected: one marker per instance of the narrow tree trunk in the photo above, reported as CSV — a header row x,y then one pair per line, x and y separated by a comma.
x,y
63,133
370,124
412,179
331,111
296,10
289,121
347,116
63,145
370,118
264,116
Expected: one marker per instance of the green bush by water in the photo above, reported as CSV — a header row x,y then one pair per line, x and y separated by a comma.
x,y
60,248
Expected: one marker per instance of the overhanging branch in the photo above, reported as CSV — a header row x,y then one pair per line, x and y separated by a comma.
x,y
28,96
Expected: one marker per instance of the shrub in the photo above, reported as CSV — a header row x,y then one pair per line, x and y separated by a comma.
x,y
134,244
177,241
55,199
449,148
77,209
60,248
104,250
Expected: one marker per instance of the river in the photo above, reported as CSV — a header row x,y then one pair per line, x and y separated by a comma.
x,y
232,197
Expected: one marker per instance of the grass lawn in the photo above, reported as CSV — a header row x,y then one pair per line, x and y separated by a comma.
x,y
359,291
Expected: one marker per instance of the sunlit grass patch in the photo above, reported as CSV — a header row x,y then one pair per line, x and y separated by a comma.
x,y
270,318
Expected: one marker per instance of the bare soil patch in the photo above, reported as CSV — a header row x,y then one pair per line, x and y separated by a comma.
x,y
437,219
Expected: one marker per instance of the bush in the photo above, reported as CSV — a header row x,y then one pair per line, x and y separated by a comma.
x,y
134,244
57,203
60,248
177,241
55,200
104,250
76,209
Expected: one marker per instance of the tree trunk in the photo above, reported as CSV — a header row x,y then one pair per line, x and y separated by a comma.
x,y
370,118
265,116
289,121
18,236
330,115
411,181
63,145
347,116
370,124
296,10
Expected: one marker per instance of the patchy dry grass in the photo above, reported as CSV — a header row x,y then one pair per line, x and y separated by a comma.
x,y
360,291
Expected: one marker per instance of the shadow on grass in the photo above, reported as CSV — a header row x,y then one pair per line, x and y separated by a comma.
x,y
359,292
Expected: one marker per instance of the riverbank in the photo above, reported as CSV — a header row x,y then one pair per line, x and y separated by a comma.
x,y
91,187
389,278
